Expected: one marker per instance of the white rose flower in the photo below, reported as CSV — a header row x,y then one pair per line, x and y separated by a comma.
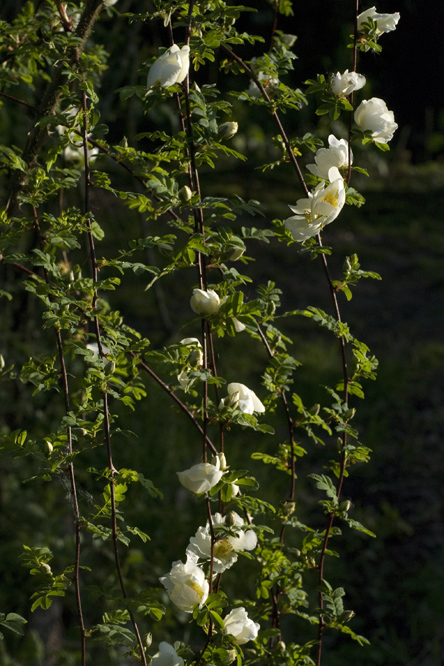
x,y
243,398
205,302
384,22
170,68
186,585
322,207
373,114
167,656
109,3
334,156
238,624
225,550
346,83
202,477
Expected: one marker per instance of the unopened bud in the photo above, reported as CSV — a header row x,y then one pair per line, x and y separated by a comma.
x,y
223,462
288,40
48,447
232,400
345,506
346,616
185,194
280,647
228,130
228,658
2,362
230,519
235,249
195,358
45,568
148,639
349,414
346,265
288,508
271,308
110,368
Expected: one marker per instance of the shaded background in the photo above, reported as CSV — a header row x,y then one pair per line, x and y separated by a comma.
x,y
395,583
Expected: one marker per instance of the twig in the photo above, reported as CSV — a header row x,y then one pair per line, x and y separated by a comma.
x,y
177,400
106,423
50,100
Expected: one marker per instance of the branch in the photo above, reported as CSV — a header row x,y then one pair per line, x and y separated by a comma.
x,y
51,98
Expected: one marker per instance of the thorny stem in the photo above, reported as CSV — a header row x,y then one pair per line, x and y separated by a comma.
x,y
275,115
71,473
177,400
51,98
106,422
355,63
338,316
277,591
344,369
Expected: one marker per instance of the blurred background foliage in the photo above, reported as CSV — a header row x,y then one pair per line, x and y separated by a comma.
x,y
394,583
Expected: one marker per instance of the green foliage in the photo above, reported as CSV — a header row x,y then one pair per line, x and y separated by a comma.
x,y
85,425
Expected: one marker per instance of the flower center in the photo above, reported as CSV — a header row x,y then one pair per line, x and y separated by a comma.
x,y
331,198
222,549
196,587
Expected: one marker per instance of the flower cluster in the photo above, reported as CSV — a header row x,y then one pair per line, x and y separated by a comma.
x,y
225,548
322,206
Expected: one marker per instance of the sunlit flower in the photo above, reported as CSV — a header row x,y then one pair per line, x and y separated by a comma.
x,y
346,83
170,68
243,398
167,656
334,156
202,477
373,114
238,624
186,585
205,302
225,549
322,206
384,22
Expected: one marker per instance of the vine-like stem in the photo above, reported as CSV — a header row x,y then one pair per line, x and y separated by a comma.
x,y
71,472
300,177
177,400
51,99
106,422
